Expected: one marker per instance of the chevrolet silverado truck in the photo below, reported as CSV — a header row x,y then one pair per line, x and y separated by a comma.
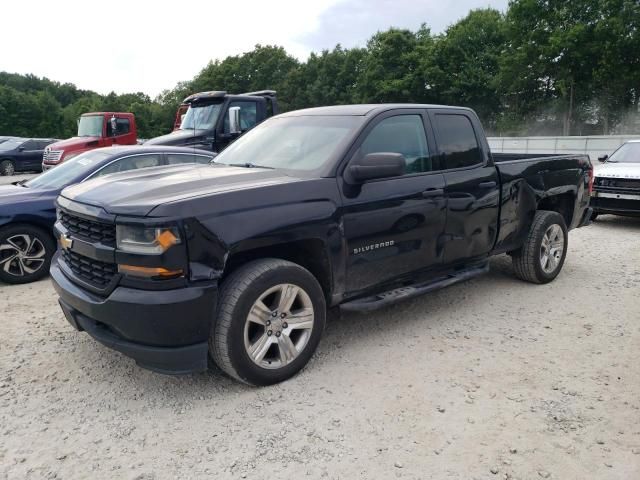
x,y
616,188
354,206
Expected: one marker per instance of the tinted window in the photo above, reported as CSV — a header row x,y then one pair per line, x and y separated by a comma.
x,y
132,163
122,127
174,158
401,134
457,141
248,115
30,145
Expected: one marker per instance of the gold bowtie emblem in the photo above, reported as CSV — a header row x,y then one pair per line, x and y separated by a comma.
x,y
65,242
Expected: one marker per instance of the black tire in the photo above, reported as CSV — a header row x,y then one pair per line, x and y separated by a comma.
x,y
237,296
594,215
7,168
13,238
527,260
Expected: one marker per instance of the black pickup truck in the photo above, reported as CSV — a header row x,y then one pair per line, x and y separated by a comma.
x,y
353,206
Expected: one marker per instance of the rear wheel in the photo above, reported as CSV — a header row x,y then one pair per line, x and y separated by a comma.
x,y
25,253
270,317
7,167
542,256
594,215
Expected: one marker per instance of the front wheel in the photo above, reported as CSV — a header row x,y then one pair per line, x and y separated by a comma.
x,y
25,253
542,256
7,168
270,317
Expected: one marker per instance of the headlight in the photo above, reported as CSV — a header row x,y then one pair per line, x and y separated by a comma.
x,y
146,240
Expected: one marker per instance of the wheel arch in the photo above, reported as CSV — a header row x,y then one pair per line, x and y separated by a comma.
x,y
311,254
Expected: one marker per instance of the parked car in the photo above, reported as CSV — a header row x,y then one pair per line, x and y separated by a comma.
x,y
27,210
353,206
95,130
4,139
617,184
22,154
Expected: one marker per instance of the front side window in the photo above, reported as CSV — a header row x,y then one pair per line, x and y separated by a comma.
x,y
90,126
131,163
122,127
402,134
201,117
177,158
248,115
30,145
457,141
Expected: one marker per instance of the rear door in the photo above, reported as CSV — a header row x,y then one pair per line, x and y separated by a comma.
x,y
31,155
471,185
393,226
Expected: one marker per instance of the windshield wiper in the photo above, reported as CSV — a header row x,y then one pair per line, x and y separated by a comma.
x,y
249,165
21,183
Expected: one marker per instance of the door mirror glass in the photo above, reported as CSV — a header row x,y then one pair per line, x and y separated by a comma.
x,y
114,125
234,120
376,165
603,158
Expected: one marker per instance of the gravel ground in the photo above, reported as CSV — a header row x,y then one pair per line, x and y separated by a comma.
x,y
493,378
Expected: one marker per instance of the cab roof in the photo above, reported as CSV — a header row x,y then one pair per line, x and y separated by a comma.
x,y
361,110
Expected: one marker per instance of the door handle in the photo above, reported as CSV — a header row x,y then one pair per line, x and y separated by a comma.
x,y
433,192
491,184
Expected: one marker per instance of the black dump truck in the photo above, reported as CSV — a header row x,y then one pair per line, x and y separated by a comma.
x,y
215,119
352,206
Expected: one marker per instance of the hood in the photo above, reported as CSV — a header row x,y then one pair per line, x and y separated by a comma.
x,y
16,193
178,137
74,143
139,192
618,170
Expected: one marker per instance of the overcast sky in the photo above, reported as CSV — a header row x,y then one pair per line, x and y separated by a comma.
x,y
148,46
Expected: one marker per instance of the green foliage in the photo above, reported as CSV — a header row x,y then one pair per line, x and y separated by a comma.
x,y
543,67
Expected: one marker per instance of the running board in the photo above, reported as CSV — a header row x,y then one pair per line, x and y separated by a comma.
x,y
389,297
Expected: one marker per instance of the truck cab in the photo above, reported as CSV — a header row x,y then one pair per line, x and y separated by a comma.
x,y
95,130
205,120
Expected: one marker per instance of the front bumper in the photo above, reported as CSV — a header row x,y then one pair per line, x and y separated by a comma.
x,y
163,330
620,203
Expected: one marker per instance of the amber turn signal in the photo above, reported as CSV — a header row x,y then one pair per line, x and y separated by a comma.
x,y
149,272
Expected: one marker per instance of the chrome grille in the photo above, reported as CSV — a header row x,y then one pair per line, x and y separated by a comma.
x,y
52,156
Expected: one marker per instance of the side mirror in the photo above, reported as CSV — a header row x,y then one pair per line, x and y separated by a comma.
x,y
603,158
234,121
114,126
21,149
376,165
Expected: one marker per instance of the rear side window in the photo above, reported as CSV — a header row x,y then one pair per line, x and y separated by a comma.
x,y
457,141
131,163
401,134
176,158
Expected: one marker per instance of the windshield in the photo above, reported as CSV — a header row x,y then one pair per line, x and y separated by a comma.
x,y
296,143
90,126
11,144
201,117
67,172
627,153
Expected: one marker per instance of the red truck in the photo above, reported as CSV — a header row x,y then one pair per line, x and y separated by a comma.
x,y
95,130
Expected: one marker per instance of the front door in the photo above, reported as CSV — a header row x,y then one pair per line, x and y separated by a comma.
x,y
249,113
393,226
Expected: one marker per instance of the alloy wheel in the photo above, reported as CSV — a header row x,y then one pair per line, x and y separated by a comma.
x,y
22,255
278,326
552,248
